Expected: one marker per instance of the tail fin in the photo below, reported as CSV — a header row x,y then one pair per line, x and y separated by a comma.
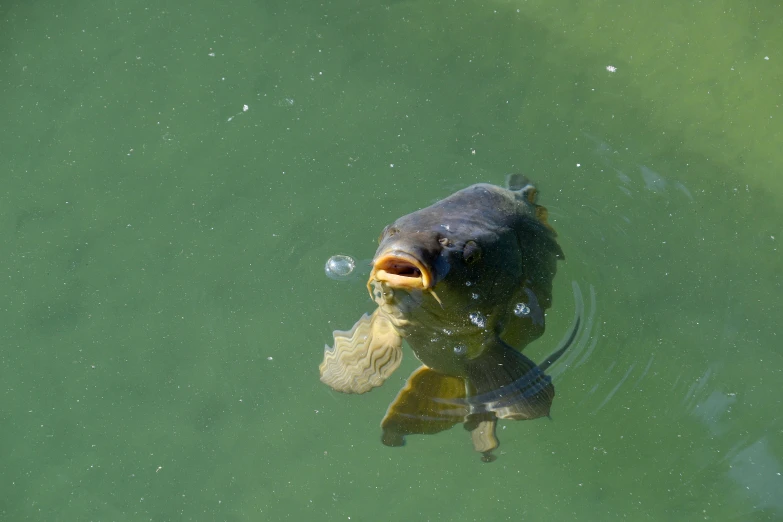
x,y
503,381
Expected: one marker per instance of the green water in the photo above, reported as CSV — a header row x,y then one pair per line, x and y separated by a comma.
x,y
163,304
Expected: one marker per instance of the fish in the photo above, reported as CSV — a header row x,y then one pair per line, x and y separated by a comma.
x,y
466,283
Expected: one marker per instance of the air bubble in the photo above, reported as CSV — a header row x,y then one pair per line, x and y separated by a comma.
x,y
460,349
521,310
478,319
339,267
474,295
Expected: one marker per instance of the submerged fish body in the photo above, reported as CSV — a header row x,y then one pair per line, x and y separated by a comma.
x,y
465,282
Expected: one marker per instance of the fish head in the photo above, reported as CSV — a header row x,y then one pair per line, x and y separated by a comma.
x,y
446,262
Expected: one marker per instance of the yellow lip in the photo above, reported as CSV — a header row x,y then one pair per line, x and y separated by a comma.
x,y
401,270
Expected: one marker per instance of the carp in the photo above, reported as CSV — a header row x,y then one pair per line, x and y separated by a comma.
x,y
465,282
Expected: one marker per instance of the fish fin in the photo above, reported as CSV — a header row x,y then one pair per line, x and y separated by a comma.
x,y
503,381
528,191
430,402
541,253
537,238
542,214
564,345
518,182
363,357
482,433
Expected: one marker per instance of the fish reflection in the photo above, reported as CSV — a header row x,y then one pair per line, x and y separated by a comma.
x,y
465,282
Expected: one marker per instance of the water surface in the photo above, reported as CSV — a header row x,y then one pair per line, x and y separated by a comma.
x,y
175,178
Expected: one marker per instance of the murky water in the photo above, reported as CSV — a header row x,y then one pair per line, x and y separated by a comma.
x,y
175,179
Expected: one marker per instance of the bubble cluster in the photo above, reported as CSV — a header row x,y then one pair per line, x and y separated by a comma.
x,y
339,267
521,310
478,319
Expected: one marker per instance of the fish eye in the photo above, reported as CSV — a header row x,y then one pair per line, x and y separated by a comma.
x,y
471,253
444,241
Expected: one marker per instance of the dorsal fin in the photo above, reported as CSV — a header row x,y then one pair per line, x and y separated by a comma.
x,y
517,182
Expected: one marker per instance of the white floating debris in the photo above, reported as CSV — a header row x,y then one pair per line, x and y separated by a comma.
x,y
245,108
611,68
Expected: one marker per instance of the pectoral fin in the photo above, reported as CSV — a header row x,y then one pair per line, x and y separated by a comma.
x,y
429,403
364,357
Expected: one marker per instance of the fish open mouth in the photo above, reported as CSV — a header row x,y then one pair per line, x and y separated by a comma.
x,y
401,270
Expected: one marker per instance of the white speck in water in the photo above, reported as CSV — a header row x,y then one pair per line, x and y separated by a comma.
x,y
460,349
521,310
245,108
478,319
611,68
339,267
468,283
474,295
